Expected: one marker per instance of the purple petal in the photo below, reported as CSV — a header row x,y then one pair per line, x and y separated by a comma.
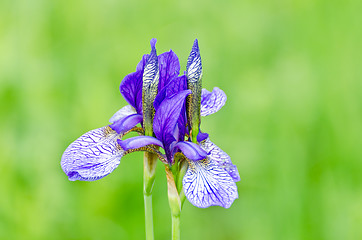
x,y
131,89
212,102
122,113
175,86
142,63
206,184
92,156
191,150
169,68
202,136
123,125
137,142
167,115
215,154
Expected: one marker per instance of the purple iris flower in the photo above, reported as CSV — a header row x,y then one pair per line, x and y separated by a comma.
x,y
210,178
96,153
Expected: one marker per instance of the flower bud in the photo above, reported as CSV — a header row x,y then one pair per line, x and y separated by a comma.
x,y
194,77
149,88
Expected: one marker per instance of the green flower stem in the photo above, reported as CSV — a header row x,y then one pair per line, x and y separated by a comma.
x,y
175,204
150,162
148,217
176,227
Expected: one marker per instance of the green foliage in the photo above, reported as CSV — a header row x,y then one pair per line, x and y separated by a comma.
x,y
292,123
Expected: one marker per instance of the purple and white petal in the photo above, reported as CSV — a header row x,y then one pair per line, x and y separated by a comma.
x,y
122,113
92,156
137,142
127,123
191,150
206,184
211,102
221,158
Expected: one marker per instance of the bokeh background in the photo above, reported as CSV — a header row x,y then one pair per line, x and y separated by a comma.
x,y
292,123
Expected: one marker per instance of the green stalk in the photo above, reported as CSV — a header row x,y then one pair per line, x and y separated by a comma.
x,y
150,162
148,217
176,227
175,204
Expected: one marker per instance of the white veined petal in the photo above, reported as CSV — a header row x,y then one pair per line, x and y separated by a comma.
x,y
206,184
211,102
92,156
221,158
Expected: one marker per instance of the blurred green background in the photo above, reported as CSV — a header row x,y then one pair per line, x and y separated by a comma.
x,y
292,123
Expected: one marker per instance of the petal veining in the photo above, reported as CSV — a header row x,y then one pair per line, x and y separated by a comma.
x,y
212,102
206,184
221,158
92,156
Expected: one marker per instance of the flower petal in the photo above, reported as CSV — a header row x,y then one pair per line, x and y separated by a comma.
x,y
175,86
221,158
123,125
169,68
167,115
121,113
202,136
131,89
92,156
137,142
211,102
206,184
191,150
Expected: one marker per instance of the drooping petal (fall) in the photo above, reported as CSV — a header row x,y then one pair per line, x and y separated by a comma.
x,y
206,184
124,124
138,142
123,112
92,156
221,158
212,102
191,150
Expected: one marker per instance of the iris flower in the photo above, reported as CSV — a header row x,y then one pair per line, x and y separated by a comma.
x,y
211,176
96,153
